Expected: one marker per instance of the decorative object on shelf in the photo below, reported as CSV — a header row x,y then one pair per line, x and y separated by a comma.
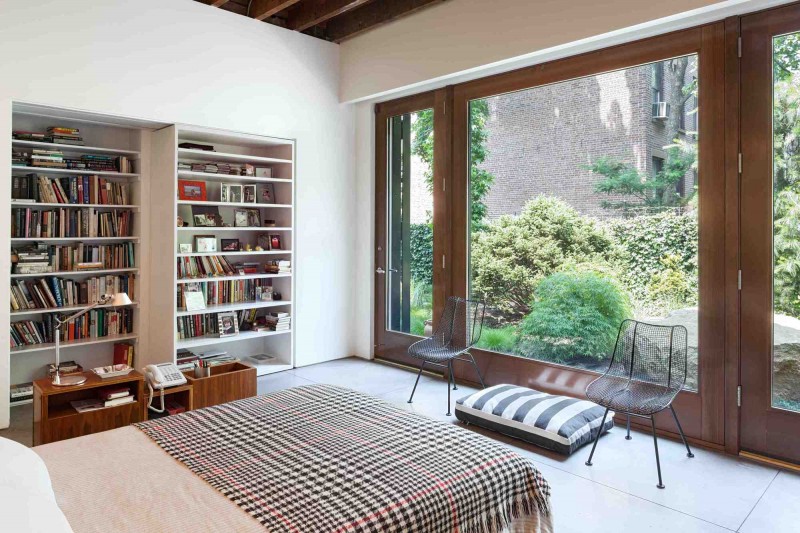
x,y
263,241
195,301
231,192
275,242
117,300
249,194
205,243
228,324
206,216
248,170
196,146
230,245
269,223
263,172
264,294
248,247
112,371
192,190
268,194
185,248
182,223
277,296
246,218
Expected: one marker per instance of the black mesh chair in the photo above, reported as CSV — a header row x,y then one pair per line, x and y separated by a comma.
x,y
647,371
458,330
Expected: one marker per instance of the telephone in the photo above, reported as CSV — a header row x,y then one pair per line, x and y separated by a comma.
x,y
162,376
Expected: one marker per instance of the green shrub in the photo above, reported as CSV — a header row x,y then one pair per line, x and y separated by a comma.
x,y
672,286
502,340
421,237
574,316
511,255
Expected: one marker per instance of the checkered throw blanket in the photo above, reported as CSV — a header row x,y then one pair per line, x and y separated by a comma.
x,y
321,458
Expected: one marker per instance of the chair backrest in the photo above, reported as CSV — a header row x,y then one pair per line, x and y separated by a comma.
x,y
651,353
461,323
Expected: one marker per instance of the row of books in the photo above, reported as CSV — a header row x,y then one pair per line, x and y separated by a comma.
x,y
197,326
97,323
70,222
69,190
226,292
217,168
79,257
19,158
52,292
106,397
40,158
55,134
204,266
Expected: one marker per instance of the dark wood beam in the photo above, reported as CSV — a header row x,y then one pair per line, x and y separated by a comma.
x,y
215,3
371,15
262,9
312,12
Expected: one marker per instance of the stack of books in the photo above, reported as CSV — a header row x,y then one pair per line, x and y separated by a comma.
x,y
64,135
246,268
19,158
216,357
32,260
185,359
48,158
211,168
278,321
283,266
21,393
21,135
183,165
66,368
108,397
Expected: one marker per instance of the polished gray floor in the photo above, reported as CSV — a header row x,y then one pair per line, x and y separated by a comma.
x,y
712,492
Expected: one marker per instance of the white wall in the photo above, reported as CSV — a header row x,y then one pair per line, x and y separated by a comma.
x,y
181,61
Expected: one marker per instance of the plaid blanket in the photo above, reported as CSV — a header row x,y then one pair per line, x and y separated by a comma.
x,y
321,458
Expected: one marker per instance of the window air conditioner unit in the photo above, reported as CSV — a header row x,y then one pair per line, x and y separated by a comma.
x,y
660,110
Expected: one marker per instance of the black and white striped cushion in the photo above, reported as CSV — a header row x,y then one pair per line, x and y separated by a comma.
x,y
557,423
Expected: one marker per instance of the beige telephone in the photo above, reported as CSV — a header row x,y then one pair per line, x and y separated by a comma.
x,y
162,376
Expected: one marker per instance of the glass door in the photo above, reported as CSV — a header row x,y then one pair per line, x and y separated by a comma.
x,y
770,191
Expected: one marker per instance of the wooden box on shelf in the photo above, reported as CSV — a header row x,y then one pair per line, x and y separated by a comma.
x,y
181,394
228,382
54,417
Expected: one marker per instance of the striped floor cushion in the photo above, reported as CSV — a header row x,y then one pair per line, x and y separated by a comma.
x,y
557,423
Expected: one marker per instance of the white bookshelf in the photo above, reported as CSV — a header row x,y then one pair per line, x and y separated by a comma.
x,y
103,135
236,149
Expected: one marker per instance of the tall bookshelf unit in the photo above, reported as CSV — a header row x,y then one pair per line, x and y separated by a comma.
x,y
104,136
277,157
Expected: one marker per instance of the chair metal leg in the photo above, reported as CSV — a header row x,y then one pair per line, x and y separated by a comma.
x,y
478,370
628,436
680,429
655,444
416,382
449,377
599,431
455,387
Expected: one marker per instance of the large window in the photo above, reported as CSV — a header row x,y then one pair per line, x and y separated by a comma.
x,y
584,212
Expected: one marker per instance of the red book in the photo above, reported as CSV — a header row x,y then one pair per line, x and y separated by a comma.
x,y
114,392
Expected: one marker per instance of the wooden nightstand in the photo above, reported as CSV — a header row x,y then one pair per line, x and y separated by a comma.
x,y
55,419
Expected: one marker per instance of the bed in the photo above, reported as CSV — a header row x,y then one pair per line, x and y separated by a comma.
x,y
307,459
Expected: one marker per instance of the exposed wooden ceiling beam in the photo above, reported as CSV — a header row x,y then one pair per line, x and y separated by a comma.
x,y
215,3
371,15
262,9
313,12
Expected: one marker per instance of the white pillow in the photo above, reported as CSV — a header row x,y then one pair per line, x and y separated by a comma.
x,y
27,501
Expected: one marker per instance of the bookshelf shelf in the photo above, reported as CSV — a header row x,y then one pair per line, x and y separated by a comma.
x,y
75,239
77,273
208,176
75,343
73,171
21,402
196,342
262,229
44,205
190,154
236,204
233,278
51,310
220,308
255,252
73,148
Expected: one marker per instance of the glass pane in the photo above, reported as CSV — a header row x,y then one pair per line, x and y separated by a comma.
x,y
584,203
786,222
410,247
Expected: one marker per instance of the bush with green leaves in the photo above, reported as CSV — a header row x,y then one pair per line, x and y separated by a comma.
x,y
513,254
421,243
574,316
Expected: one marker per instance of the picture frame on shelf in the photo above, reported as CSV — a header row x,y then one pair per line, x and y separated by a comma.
x,y
263,172
275,242
205,243
248,170
230,245
185,248
191,190
228,325
246,218
195,300
231,193
264,294
263,241
206,216
249,193
268,193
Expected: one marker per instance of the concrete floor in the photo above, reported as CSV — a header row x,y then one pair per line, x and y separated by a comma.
x,y
712,492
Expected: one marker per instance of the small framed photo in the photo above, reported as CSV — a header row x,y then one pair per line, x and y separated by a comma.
x,y
275,242
263,241
230,245
248,170
205,243
228,325
268,194
264,294
231,192
263,172
249,194
241,218
192,190
185,248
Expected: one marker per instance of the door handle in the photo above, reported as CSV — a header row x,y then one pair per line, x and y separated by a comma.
x,y
379,270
